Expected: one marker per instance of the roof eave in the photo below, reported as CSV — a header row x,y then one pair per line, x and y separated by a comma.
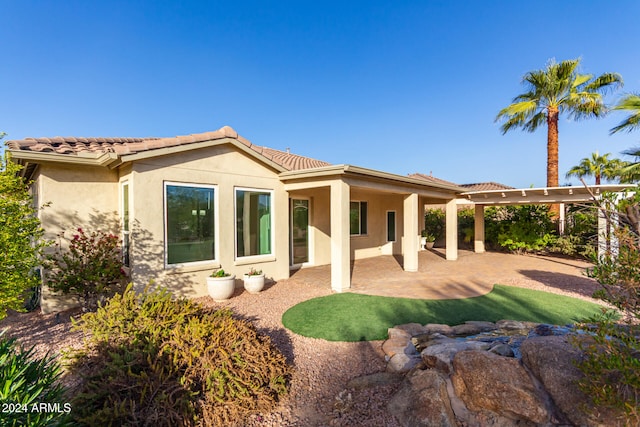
x,y
86,159
346,169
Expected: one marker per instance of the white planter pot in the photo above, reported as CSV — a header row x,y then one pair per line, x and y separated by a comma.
x,y
254,284
221,288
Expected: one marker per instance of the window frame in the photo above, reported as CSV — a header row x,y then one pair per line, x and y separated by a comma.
x,y
360,220
216,230
272,211
395,226
125,219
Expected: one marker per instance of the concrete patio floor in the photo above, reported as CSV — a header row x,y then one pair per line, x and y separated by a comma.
x,y
471,275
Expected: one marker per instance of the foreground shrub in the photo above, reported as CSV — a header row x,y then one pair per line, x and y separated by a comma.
x,y
90,269
612,361
153,360
26,383
21,242
612,365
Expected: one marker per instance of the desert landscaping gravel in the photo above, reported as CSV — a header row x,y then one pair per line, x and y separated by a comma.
x,y
319,395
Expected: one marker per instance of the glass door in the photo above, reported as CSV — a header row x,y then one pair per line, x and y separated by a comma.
x,y
299,231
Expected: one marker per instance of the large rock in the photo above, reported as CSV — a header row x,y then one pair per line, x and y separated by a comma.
x,y
552,360
488,382
401,362
440,356
423,401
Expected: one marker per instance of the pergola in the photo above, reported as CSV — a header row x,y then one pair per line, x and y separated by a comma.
x,y
528,196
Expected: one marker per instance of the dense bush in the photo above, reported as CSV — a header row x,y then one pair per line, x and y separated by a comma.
x,y
434,221
612,360
523,228
90,269
153,360
20,238
26,383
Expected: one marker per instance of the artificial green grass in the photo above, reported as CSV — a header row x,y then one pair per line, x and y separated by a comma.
x,y
355,317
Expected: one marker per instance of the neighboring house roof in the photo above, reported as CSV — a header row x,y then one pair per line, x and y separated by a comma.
x,y
431,178
77,146
479,186
484,186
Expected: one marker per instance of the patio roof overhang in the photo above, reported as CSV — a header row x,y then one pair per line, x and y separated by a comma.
x,y
525,196
356,176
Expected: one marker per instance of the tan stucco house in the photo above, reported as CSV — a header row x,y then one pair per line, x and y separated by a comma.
x,y
187,205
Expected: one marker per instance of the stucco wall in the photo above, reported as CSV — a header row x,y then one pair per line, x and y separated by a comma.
x,y
82,196
374,243
226,168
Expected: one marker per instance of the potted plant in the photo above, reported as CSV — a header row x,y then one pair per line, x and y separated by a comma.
x,y
221,285
430,240
427,240
254,281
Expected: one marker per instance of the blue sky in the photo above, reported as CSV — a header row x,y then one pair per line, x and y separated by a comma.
x,y
398,86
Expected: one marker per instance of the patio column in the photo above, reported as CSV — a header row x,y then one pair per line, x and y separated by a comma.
x,y
411,233
340,237
452,230
478,221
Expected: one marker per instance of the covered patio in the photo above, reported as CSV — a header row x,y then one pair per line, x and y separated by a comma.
x,y
473,274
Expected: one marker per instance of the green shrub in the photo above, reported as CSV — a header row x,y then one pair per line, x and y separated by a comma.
x,y
26,383
527,228
434,222
154,360
612,361
21,241
612,365
90,269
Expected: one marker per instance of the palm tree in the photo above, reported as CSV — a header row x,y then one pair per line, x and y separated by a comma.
x,y
558,88
598,166
628,103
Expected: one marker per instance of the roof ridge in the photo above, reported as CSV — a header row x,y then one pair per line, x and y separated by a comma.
x,y
124,146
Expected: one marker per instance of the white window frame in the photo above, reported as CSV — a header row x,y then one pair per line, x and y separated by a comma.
x,y
395,225
216,228
254,258
360,233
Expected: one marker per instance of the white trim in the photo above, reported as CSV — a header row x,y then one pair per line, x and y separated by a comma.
x,y
395,225
241,260
216,228
309,261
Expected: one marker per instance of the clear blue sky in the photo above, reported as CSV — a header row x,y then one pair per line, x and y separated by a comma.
x,y
398,86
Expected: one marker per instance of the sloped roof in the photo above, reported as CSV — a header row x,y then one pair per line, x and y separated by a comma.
x,y
431,178
484,186
74,146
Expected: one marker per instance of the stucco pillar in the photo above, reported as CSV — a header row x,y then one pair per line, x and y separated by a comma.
x,y
452,230
340,237
411,233
478,220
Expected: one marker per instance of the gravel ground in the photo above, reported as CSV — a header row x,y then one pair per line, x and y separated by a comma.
x,y
318,394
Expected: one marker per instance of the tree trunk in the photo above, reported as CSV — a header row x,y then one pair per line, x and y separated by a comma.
x,y
552,155
597,179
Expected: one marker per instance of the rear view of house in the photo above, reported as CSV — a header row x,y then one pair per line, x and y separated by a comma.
x,y
187,205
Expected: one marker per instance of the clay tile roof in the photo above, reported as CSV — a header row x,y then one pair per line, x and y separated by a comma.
x,y
124,146
430,178
484,186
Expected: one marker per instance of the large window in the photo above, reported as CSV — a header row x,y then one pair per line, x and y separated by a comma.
x,y
190,227
254,213
358,218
